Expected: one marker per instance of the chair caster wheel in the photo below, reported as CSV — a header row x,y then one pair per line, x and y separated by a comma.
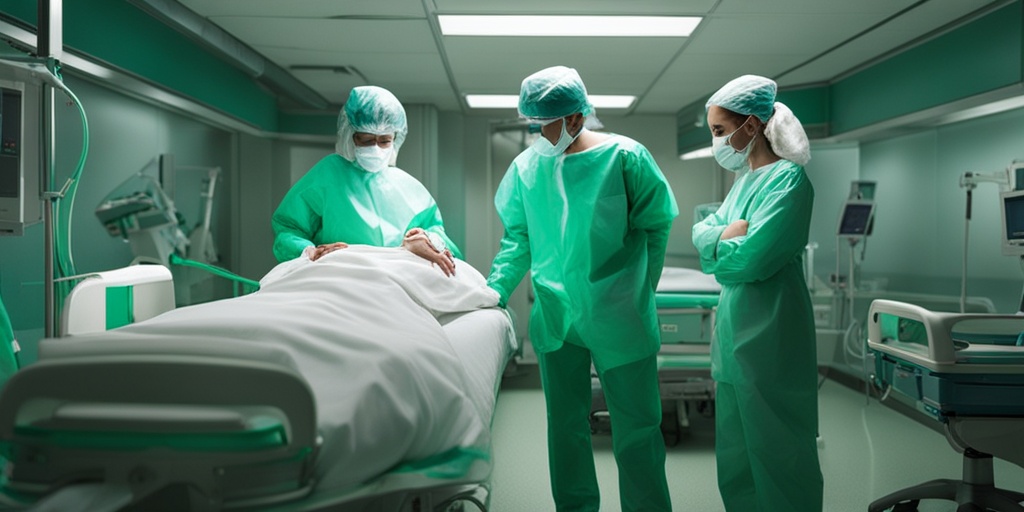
x,y
906,506
969,507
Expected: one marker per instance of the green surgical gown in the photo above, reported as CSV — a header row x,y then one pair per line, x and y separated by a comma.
x,y
764,356
8,362
337,201
592,228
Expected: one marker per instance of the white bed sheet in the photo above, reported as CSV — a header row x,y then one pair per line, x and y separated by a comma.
x,y
473,336
361,325
678,279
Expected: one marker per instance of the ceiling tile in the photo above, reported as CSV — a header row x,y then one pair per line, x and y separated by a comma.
x,y
830,7
694,77
422,75
306,8
366,36
804,34
894,34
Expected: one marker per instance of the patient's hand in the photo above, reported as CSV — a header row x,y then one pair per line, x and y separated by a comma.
x,y
738,228
320,250
416,242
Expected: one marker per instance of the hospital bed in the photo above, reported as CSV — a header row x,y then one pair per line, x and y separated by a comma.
x,y
231,405
965,371
114,298
686,301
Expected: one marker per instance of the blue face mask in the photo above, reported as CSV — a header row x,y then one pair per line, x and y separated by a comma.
x,y
544,147
728,157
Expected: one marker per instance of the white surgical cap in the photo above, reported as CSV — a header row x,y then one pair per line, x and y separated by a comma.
x,y
553,93
752,95
370,109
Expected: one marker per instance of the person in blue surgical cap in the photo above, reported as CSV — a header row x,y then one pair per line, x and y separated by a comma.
x,y
763,358
357,196
588,214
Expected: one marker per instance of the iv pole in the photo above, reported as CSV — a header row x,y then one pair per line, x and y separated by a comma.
x,y
970,181
49,45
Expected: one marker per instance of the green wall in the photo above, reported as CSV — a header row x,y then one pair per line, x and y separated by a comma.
x,y
982,56
125,136
314,124
118,33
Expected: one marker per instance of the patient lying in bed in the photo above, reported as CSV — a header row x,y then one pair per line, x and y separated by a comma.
x,y
361,325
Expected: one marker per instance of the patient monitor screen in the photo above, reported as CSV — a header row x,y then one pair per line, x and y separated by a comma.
x,y
10,130
856,219
1013,215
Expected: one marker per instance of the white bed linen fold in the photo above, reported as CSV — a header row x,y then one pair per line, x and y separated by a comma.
x,y
678,279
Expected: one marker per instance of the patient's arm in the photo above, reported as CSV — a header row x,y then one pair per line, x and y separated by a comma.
x,y
416,242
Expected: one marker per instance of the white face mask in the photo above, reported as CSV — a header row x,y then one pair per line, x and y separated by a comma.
x,y
373,158
544,147
728,157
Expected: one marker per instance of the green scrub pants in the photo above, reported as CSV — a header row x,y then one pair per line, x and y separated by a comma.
x,y
767,451
634,405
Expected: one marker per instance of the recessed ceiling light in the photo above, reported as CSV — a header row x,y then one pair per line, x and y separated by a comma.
x,y
568,26
492,100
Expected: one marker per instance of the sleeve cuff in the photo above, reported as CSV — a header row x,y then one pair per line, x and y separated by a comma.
x,y
712,238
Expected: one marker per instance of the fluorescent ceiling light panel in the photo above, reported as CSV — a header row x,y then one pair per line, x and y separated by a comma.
x,y
568,26
611,101
492,100
512,100
699,153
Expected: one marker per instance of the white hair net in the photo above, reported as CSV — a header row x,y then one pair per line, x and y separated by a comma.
x,y
786,135
370,109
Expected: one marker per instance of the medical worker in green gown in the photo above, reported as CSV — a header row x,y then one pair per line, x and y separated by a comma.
x,y
357,196
763,358
8,346
589,215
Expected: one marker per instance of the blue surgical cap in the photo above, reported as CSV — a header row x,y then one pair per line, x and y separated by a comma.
x,y
553,93
370,109
747,95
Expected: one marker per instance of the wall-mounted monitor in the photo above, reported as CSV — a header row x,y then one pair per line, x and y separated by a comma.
x,y
856,219
1012,206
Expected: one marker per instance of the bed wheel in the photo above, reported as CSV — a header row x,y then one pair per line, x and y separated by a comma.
x,y
670,429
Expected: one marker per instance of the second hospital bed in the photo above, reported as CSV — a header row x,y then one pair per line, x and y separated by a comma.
x,y
966,372
364,381
686,300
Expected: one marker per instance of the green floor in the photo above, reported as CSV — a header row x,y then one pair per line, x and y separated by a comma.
x,y
866,452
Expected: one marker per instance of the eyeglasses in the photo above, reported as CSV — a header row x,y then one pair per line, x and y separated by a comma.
x,y
369,139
